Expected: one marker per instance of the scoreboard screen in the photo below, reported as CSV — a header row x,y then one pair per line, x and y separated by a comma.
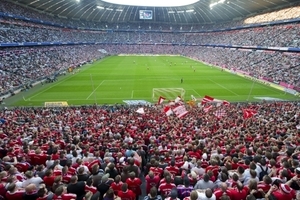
x,y
146,14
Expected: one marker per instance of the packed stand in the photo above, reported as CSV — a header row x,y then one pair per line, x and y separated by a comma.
x,y
288,13
283,14
273,36
287,35
108,152
20,67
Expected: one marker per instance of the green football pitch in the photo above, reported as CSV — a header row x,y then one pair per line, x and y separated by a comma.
x,y
118,78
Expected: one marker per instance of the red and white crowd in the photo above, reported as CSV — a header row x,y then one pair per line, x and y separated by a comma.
x,y
24,66
113,152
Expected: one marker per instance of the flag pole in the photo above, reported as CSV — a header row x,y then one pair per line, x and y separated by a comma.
x,y
250,90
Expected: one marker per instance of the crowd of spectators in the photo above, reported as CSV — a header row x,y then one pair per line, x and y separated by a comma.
x,y
21,67
282,14
270,36
287,35
113,152
288,13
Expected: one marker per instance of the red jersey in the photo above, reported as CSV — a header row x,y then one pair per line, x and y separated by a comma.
x,y
65,197
71,171
91,164
234,166
157,171
57,172
219,194
151,182
128,195
165,188
243,165
164,181
43,198
54,157
173,170
214,169
282,196
19,176
238,195
39,159
22,167
91,189
2,189
264,187
17,195
116,186
231,183
193,154
134,185
48,180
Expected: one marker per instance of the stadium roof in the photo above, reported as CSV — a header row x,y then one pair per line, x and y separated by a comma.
x,y
203,11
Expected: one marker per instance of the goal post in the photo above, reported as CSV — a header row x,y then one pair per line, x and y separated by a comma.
x,y
168,93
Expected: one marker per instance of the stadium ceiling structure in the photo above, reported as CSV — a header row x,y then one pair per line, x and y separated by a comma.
x,y
200,12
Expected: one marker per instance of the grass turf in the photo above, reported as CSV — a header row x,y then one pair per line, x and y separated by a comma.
x,y
119,78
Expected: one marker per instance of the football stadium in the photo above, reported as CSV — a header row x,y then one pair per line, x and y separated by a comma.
x,y
153,100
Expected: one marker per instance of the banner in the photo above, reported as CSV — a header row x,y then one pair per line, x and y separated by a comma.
x,y
180,111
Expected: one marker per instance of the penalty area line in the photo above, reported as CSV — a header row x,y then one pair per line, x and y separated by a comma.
x,y
197,93
24,99
95,90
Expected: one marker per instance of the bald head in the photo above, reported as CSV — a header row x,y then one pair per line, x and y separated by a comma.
x,y
223,187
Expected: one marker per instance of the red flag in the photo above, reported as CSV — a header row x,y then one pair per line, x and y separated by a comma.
x,y
226,103
168,110
180,111
161,100
248,113
207,99
219,102
207,108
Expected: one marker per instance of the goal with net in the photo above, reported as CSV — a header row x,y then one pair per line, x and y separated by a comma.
x,y
168,93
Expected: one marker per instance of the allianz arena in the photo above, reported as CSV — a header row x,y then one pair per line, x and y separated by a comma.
x,y
204,148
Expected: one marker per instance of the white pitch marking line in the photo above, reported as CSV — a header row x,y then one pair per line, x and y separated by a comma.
x,y
197,93
95,90
60,81
224,87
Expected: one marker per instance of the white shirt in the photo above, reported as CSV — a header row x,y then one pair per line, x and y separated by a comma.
x,y
258,169
202,196
86,169
49,163
33,180
199,170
